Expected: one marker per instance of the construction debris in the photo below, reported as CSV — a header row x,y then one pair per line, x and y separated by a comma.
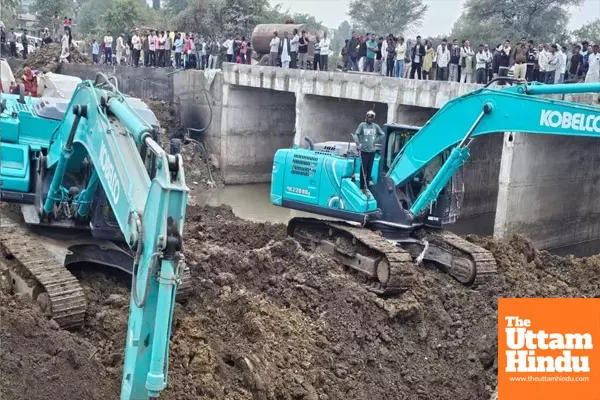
x,y
46,59
269,320
200,173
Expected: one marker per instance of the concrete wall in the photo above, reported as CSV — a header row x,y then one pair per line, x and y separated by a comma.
x,y
145,83
328,118
199,100
255,124
549,189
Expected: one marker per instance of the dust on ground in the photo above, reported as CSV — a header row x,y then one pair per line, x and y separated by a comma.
x,y
46,59
200,173
269,320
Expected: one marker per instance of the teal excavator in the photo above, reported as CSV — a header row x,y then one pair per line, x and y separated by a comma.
x,y
417,184
92,171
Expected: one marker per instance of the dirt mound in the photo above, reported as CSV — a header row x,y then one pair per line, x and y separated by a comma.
x,y
46,58
40,361
269,320
200,173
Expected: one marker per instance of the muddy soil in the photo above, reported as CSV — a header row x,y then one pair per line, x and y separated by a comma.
x,y
200,173
269,320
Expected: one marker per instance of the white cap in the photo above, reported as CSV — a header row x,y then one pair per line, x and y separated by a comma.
x,y
371,112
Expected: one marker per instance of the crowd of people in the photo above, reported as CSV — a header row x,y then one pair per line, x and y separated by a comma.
x,y
162,49
546,63
387,55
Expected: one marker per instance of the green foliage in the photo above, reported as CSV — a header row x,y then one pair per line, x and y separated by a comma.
x,y
387,16
174,7
8,10
122,16
590,32
89,22
46,9
493,21
8,6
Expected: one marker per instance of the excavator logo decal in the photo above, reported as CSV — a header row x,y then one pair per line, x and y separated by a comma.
x,y
567,120
110,172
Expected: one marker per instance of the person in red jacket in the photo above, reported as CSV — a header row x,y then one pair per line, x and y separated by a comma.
x,y
30,83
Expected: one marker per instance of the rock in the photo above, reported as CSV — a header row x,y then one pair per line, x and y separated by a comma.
x,y
116,300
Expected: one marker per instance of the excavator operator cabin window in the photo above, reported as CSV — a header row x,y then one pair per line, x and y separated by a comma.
x,y
396,141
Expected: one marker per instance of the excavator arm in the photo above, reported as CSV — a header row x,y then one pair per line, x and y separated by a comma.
x,y
150,210
485,111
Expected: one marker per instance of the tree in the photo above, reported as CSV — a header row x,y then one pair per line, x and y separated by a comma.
x,y
122,16
174,7
387,16
589,31
45,11
8,10
493,21
241,16
88,21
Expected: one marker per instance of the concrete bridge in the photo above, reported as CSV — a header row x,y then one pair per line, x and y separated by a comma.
x,y
544,187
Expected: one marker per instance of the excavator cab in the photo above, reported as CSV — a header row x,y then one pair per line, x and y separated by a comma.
x,y
447,207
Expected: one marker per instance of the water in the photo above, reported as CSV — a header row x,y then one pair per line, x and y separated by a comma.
x,y
252,202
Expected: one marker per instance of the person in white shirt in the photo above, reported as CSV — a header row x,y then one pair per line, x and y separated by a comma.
x,y
593,73
443,60
229,45
285,50
488,65
437,52
152,49
108,40
324,46
162,41
400,56
559,75
384,47
543,62
466,55
137,47
120,48
551,64
274,50
295,43
480,62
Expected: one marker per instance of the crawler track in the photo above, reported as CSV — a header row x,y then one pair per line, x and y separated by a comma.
x,y
389,265
389,268
61,297
485,263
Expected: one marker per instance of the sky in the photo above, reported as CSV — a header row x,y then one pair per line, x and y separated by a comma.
x,y
438,19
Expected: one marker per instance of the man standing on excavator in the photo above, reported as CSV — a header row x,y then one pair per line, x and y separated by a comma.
x,y
368,135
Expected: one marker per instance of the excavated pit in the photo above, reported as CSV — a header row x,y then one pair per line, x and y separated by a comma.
x,y
268,320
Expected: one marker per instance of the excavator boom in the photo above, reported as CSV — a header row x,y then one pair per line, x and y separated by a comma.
x,y
486,111
103,146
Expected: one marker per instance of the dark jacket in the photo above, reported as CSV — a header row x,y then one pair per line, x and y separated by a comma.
x,y
363,49
504,59
455,54
352,45
418,49
495,62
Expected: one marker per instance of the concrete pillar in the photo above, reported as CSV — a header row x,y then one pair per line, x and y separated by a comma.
x,y
548,189
300,110
392,112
